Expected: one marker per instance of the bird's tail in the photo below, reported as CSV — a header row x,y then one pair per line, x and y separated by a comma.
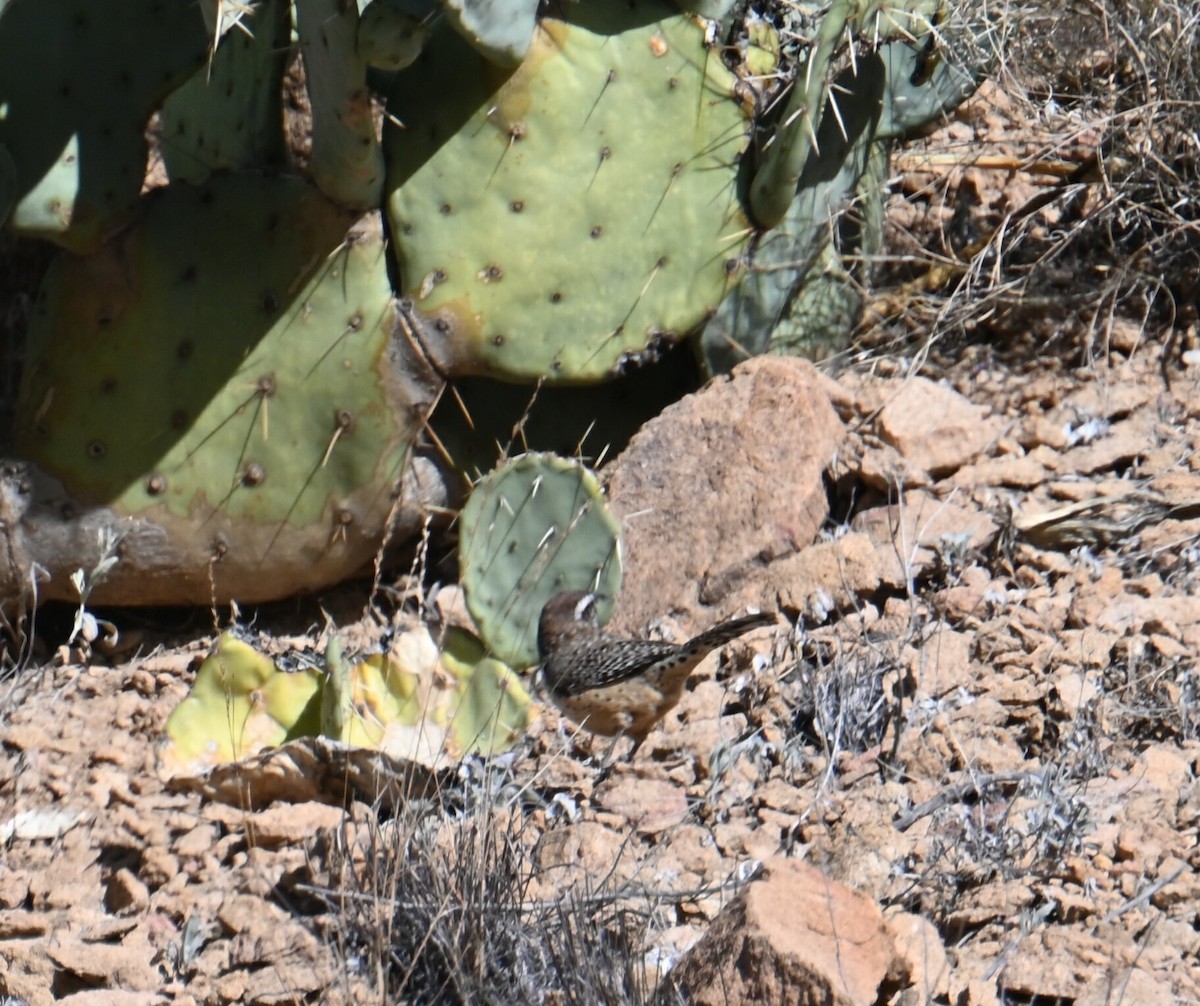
x,y
718,635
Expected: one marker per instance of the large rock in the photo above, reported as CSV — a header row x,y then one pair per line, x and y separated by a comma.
x,y
791,938
719,486
934,428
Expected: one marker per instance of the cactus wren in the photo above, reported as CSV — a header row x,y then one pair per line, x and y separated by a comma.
x,y
617,686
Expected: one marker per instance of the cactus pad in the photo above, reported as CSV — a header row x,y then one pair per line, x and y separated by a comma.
x,y
226,370
535,526
415,702
347,162
78,81
240,703
229,115
432,706
577,215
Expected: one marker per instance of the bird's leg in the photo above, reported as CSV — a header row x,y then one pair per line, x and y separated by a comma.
x,y
609,762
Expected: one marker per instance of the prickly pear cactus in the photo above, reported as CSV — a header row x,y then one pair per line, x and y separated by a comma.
x,y
226,374
418,702
229,115
434,704
535,526
871,72
225,379
78,81
240,703
578,214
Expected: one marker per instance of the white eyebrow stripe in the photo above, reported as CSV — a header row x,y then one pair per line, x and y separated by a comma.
x,y
581,608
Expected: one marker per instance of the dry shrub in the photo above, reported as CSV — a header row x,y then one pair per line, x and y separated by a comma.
x,y
1104,130
441,905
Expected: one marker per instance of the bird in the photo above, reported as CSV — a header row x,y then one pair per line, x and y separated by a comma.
x,y
614,686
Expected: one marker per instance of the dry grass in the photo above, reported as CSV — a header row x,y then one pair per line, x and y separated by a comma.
x,y
1105,122
441,905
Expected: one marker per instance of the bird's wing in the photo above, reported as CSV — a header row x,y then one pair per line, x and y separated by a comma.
x,y
618,660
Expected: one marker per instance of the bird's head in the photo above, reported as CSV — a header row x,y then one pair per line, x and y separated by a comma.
x,y
566,613
578,606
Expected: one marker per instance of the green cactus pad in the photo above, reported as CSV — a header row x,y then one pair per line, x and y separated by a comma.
x,y
78,82
432,706
577,215
415,702
240,703
347,162
226,370
535,526
492,707
389,38
229,115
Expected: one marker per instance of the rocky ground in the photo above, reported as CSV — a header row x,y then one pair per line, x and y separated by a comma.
x,y
974,732
961,769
